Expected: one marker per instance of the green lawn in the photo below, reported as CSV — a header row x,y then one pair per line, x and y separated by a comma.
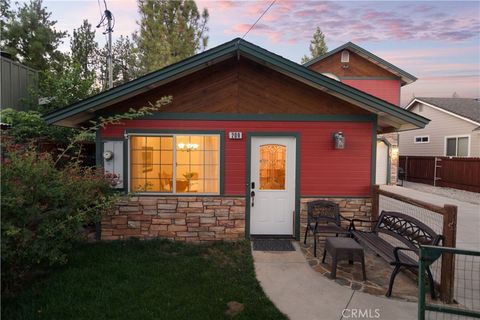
x,y
147,280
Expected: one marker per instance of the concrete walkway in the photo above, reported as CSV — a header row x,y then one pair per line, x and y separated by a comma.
x,y
301,293
468,215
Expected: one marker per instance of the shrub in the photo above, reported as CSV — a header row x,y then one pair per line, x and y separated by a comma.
x,y
28,125
43,210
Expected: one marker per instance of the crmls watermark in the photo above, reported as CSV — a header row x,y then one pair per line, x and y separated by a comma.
x,y
361,313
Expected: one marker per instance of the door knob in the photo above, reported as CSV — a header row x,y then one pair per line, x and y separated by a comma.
x,y
252,198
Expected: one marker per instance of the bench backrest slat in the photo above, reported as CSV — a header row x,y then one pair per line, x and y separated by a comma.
x,y
407,229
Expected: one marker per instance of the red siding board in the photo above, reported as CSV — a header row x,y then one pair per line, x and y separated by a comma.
x,y
388,90
323,171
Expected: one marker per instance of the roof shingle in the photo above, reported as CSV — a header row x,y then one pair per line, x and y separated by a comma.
x,y
466,107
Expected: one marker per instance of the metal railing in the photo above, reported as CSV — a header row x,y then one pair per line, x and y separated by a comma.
x,y
466,295
442,220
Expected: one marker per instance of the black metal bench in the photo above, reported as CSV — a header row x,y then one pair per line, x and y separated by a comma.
x,y
406,229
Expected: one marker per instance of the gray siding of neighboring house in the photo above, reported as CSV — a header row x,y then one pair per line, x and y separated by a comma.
x,y
17,81
440,126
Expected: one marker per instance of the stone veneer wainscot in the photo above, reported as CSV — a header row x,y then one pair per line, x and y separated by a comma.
x,y
193,219
201,219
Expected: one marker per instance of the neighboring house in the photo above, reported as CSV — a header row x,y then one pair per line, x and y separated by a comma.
x,y
17,81
248,140
367,72
454,129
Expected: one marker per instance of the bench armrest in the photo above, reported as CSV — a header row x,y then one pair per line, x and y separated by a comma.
x,y
352,222
396,249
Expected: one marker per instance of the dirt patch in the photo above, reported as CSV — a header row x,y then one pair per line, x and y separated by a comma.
x,y
234,308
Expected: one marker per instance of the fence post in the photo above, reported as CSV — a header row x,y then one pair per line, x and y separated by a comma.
x,y
448,260
405,170
375,202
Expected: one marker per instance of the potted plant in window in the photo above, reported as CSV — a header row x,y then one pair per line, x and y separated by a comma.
x,y
189,176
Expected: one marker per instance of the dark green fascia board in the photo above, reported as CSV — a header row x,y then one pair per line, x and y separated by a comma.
x,y
331,84
369,78
144,81
240,47
259,117
174,131
355,48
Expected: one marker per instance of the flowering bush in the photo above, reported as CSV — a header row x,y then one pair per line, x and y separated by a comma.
x,y
44,209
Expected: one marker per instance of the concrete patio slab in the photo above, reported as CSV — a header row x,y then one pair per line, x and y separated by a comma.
x,y
302,293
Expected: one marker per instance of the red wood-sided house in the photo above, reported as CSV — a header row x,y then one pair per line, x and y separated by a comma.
x,y
248,139
367,72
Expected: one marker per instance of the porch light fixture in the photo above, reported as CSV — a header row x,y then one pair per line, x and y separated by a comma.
x,y
339,140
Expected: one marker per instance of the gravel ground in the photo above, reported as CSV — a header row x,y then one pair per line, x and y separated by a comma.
x,y
461,195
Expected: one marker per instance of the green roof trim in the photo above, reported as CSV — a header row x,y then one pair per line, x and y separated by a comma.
x,y
407,77
237,47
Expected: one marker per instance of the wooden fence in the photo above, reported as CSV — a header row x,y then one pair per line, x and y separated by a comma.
x,y
458,173
449,230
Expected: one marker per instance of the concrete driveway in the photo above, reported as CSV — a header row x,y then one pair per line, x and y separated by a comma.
x,y
468,215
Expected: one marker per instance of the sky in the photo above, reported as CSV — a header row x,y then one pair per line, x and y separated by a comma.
x,y
436,41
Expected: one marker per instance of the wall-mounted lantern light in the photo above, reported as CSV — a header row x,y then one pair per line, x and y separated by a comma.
x,y
339,140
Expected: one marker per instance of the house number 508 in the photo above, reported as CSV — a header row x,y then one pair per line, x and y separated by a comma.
x,y
235,135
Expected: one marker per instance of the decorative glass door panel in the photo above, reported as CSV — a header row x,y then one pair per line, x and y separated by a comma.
x,y
272,167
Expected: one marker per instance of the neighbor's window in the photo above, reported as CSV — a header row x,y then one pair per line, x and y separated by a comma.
x,y
457,146
422,139
175,163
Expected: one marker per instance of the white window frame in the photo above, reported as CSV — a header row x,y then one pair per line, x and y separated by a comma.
x,y
456,145
416,142
174,135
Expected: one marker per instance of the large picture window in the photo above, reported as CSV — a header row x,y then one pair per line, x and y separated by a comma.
x,y
175,163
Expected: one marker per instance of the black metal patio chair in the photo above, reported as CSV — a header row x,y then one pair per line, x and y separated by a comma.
x,y
323,217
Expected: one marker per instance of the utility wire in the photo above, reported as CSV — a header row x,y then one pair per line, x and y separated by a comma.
x,y
253,25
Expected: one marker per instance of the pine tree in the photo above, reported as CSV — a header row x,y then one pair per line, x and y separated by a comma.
x,y
126,64
317,46
61,87
84,48
125,61
5,16
31,38
169,32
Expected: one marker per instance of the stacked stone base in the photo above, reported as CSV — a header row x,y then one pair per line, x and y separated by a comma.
x,y
202,219
192,219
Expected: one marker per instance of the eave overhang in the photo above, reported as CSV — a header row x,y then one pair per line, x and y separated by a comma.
x,y
406,78
390,117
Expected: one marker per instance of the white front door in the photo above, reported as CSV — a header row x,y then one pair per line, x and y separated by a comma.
x,y
272,181
382,163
